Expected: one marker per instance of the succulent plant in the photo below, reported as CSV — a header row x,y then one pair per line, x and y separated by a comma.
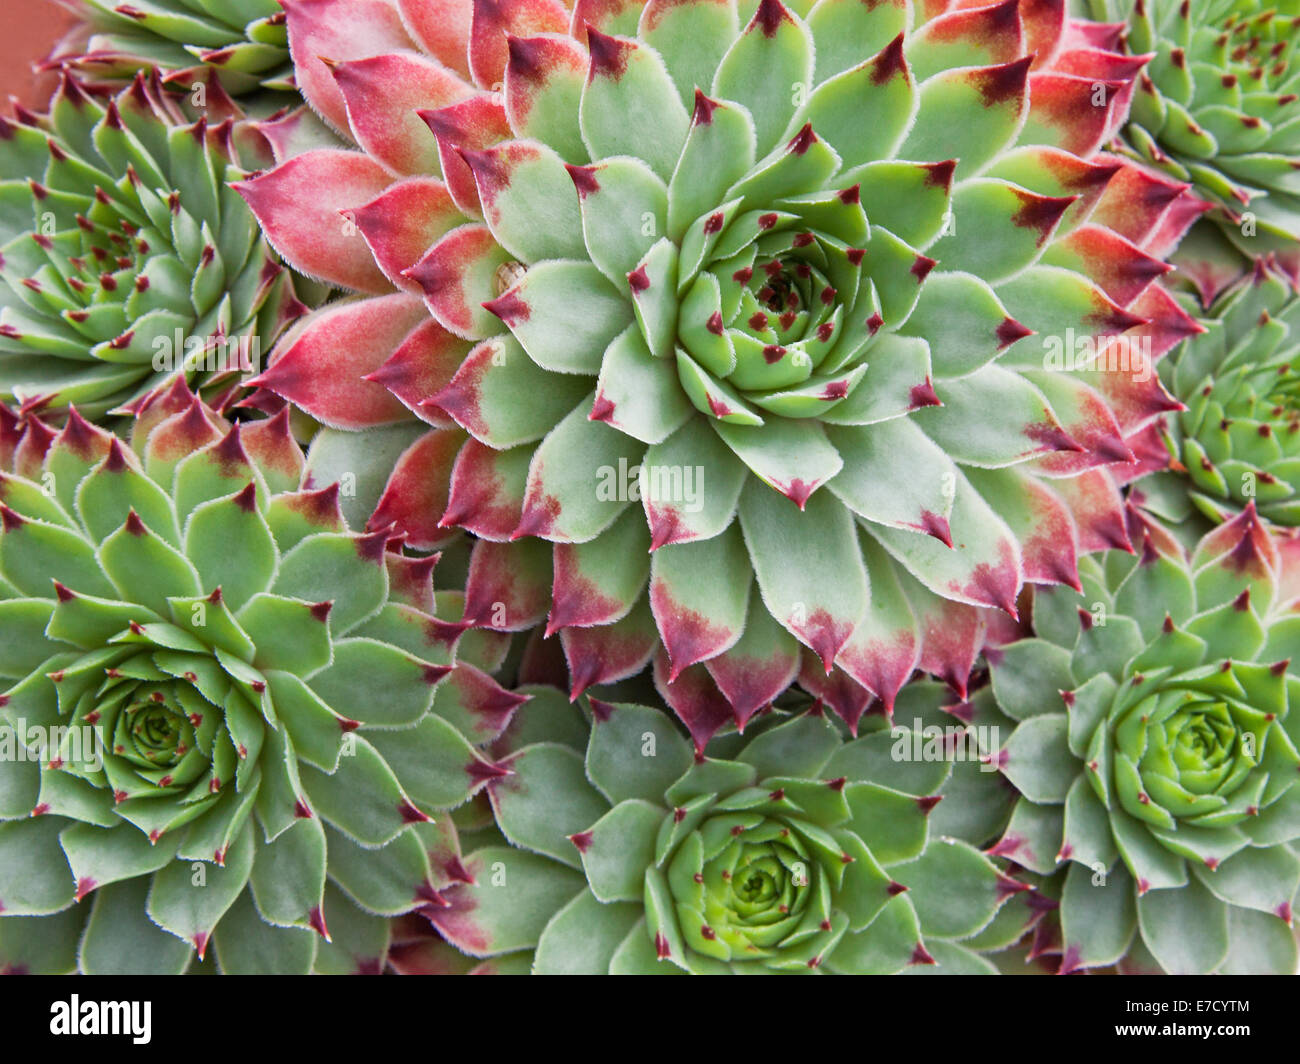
x,y
697,285
1217,107
1238,440
217,698
1154,751
244,40
623,853
126,257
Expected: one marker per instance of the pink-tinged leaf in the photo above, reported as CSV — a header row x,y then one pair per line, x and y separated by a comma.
x,y
1182,214
422,365
475,123
410,580
885,647
528,200
759,667
383,94
460,273
298,205
1122,270
1063,114
983,565
696,700
1094,500
845,697
814,584
1039,519
1241,546
543,87
338,30
494,19
1135,202
415,496
1043,22
500,397
1088,420
401,224
177,437
607,16
1050,171
611,652
487,490
952,635
699,593
321,364
443,28
1168,325
271,445
541,663
158,406
981,36
479,707
597,583
293,133
509,584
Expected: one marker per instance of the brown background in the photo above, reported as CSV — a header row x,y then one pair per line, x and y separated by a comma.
x,y
28,30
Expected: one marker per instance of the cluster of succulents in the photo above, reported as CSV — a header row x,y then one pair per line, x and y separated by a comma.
x,y
859,445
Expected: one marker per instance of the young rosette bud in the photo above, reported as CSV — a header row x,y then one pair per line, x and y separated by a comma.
x,y
1238,440
127,258
243,40
1155,752
1216,107
799,852
217,697
719,377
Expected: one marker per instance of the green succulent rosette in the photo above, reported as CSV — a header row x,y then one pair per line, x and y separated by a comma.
x,y
617,850
1153,746
216,725
1238,440
1218,106
244,40
127,259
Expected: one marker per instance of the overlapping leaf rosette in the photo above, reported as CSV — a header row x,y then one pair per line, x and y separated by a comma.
x,y
1217,107
1154,751
217,727
243,40
621,852
647,253
1238,440
127,258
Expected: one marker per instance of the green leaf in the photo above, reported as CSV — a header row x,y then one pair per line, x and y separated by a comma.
x,y
972,115
361,797
99,856
799,747
386,881
582,938
1098,919
245,945
624,211
619,849
1037,758
145,569
363,666
1167,916
121,940
290,635
573,313
288,877
635,752
546,800
433,761
36,554
232,548
188,907
1029,677
34,878
954,887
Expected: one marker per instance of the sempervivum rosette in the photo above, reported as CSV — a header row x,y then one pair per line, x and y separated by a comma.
x,y
242,39
126,257
624,853
1154,749
716,371
217,698
1238,440
1217,106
